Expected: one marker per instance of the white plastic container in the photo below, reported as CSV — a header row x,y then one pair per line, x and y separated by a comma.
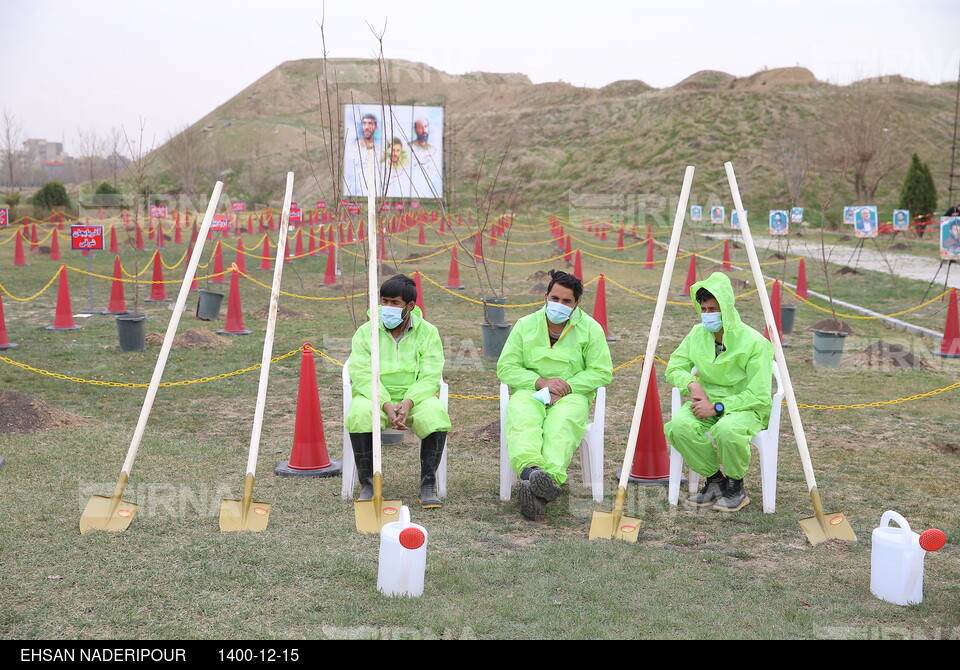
x,y
403,557
896,562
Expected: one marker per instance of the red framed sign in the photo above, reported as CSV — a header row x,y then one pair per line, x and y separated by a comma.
x,y
220,222
321,204
88,238
238,206
398,206
158,211
4,216
295,213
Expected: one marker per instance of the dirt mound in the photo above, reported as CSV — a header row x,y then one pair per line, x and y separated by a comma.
x,y
489,433
832,326
282,313
886,355
777,256
195,338
706,79
783,76
847,270
538,289
539,275
899,246
22,413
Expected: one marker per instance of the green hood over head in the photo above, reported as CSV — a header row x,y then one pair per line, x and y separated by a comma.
x,y
719,285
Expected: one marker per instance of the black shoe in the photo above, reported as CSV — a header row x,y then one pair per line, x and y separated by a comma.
x,y
362,444
530,505
712,491
431,451
543,486
734,497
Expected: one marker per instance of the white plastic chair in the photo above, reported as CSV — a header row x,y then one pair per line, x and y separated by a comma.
x,y
767,442
591,448
350,478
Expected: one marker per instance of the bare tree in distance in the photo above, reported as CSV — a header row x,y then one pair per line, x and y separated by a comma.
x,y
11,142
141,157
794,151
90,147
862,125
185,155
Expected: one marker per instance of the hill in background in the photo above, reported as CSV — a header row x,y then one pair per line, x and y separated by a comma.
x,y
620,148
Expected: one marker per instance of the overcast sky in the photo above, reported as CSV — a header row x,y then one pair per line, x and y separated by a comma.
x,y
99,64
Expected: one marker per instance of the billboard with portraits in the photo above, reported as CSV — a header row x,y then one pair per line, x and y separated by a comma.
x,y
865,221
950,238
696,213
735,218
716,214
779,222
901,219
407,146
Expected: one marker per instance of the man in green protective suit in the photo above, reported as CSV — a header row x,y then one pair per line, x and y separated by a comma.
x,y
411,365
730,399
554,361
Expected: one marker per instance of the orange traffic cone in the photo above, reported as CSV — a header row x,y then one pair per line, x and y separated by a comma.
x,y
298,251
309,457
453,278
177,233
140,246
620,241
114,247
158,292
18,257
649,264
311,243
416,281
577,266
219,277
63,319
567,250
421,237
265,263
241,260
775,308
651,460
691,275
34,241
55,245
478,249
117,303
802,281
600,308
950,346
330,272
726,255
5,343
234,325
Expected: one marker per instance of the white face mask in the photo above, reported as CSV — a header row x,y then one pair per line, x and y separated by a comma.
x,y
391,316
558,312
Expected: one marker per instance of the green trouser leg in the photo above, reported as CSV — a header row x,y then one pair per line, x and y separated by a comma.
x,y
731,435
545,435
425,418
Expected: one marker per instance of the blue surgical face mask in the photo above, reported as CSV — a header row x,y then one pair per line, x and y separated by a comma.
x,y
711,321
558,312
391,316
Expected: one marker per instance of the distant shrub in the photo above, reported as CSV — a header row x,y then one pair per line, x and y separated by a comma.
x,y
52,194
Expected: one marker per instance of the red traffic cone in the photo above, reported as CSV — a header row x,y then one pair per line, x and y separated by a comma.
x,y
5,343
775,308
234,325
802,281
177,233
649,264
63,319
383,246
161,240
249,224
117,303
218,265
691,275
651,460
241,260
140,246
421,237
478,249
158,292
950,346
34,241
620,241
114,247
330,272
416,281
55,245
265,263
18,257
600,308
298,250
309,457
350,232
726,255
568,251
453,277
311,243
577,266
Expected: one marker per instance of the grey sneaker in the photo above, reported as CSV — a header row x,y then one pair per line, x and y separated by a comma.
x,y
530,505
711,492
543,485
734,497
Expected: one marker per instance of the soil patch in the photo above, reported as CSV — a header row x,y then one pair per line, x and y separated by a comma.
x,y
739,283
282,313
883,354
539,275
777,256
538,289
847,270
195,338
489,433
947,447
900,246
832,326
22,413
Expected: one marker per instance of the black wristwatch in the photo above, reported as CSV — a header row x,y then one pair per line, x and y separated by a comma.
x,y
718,408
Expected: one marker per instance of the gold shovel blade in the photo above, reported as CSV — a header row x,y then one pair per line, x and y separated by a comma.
x,y
373,514
232,517
835,527
107,513
606,525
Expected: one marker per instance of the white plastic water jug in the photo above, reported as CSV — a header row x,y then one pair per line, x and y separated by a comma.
x,y
403,557
896,562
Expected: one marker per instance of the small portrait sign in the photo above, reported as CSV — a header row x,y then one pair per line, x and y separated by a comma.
x,y
716,214
779,222
696,213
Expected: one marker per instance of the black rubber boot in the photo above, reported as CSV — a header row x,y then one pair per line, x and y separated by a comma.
x,y
362,444
431,451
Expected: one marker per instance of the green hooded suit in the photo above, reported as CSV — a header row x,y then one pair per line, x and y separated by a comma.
x,y
548,435
739,377
410,368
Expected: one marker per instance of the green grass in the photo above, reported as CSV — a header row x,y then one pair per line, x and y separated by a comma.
x,y
490,574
